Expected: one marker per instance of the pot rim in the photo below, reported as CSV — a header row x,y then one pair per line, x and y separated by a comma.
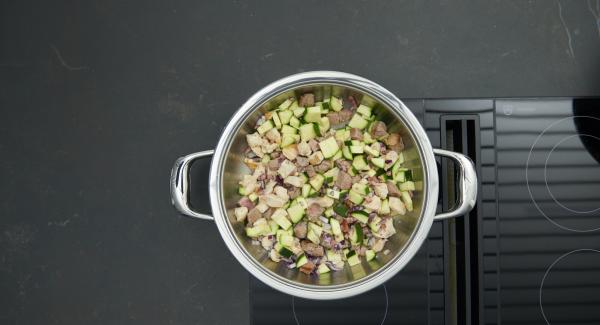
x,y
326,292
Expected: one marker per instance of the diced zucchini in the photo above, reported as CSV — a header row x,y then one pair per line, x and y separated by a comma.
x,y
329,212
338,155
318,230
356,149
371,151
280,216
342,135
400,176
313,114
407,201
286,240
296,212
371,172
302,202
355,197
285,252
322,269
253,197
333,172
369,255
285,116
346,153
358,122
286,129
295,122
317,129
287,139
298,111
385,207
326,105
258,230
286,104
364,110
306,190
312,237
367,138
335,226
340,209
301,261
379,162
360,188
375,224
335,103
274,226
317,181
333,193
361,216
360,163
293,106
307,132
324,124
263,128
352,258
276,120
357,235
407,186
329,147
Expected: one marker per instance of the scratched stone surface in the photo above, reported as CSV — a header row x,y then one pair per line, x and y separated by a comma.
x,y
98,98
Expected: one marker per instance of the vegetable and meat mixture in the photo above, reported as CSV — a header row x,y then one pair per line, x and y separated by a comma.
x,y
327,180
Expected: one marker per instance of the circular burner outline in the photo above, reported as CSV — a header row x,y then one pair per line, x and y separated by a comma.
x,y
546,173
550,268
382,321
527,173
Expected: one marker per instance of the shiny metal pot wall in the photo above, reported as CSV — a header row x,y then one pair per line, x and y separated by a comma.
x,y
227,169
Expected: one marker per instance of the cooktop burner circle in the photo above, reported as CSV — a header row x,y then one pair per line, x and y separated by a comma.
x,y
564,291
549,204
557,201
351,303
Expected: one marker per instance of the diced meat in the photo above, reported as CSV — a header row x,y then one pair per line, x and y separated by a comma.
x,y
380,189
340,117
314,211
316,158
349,102
268,213
253,215
273,164
307,268
379,130
324,201
281,192
273,135
294,192
344,226
313,144
273,200
394,142
392,189
290,152
356,134
324,166
307,100
373,203
344,181
240,213
345,115
312,249
300,229
356,179
310,171
294,181
397,206
287,167
304,149
328,241
343,164
302,161
390,158
275,155
246,202
378,245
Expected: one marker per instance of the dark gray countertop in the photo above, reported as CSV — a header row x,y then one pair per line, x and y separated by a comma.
x,y
99,98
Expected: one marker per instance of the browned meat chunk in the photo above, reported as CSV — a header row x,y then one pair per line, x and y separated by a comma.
x,y
356,134
311,248
310,171
300,229
340,117
394,142
314,211
268,213
379,130
324,166
273,164
253,215
246,202
344,226
343,164
307,268
349,102
302,161
344,181
314,145
294,192
307,100
392,189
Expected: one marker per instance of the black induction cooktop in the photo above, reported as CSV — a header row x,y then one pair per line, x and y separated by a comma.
x,y
529,253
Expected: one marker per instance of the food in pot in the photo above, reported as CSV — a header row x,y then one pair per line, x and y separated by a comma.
x,y
327,181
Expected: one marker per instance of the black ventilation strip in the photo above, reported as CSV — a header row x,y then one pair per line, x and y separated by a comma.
x,y
463,252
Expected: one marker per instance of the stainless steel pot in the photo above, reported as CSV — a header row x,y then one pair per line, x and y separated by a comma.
x,y
227,169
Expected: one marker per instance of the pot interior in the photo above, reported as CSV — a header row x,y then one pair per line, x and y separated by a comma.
x,y
234,169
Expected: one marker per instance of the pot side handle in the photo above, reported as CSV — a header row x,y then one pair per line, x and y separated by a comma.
x,y
180,181
467,184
